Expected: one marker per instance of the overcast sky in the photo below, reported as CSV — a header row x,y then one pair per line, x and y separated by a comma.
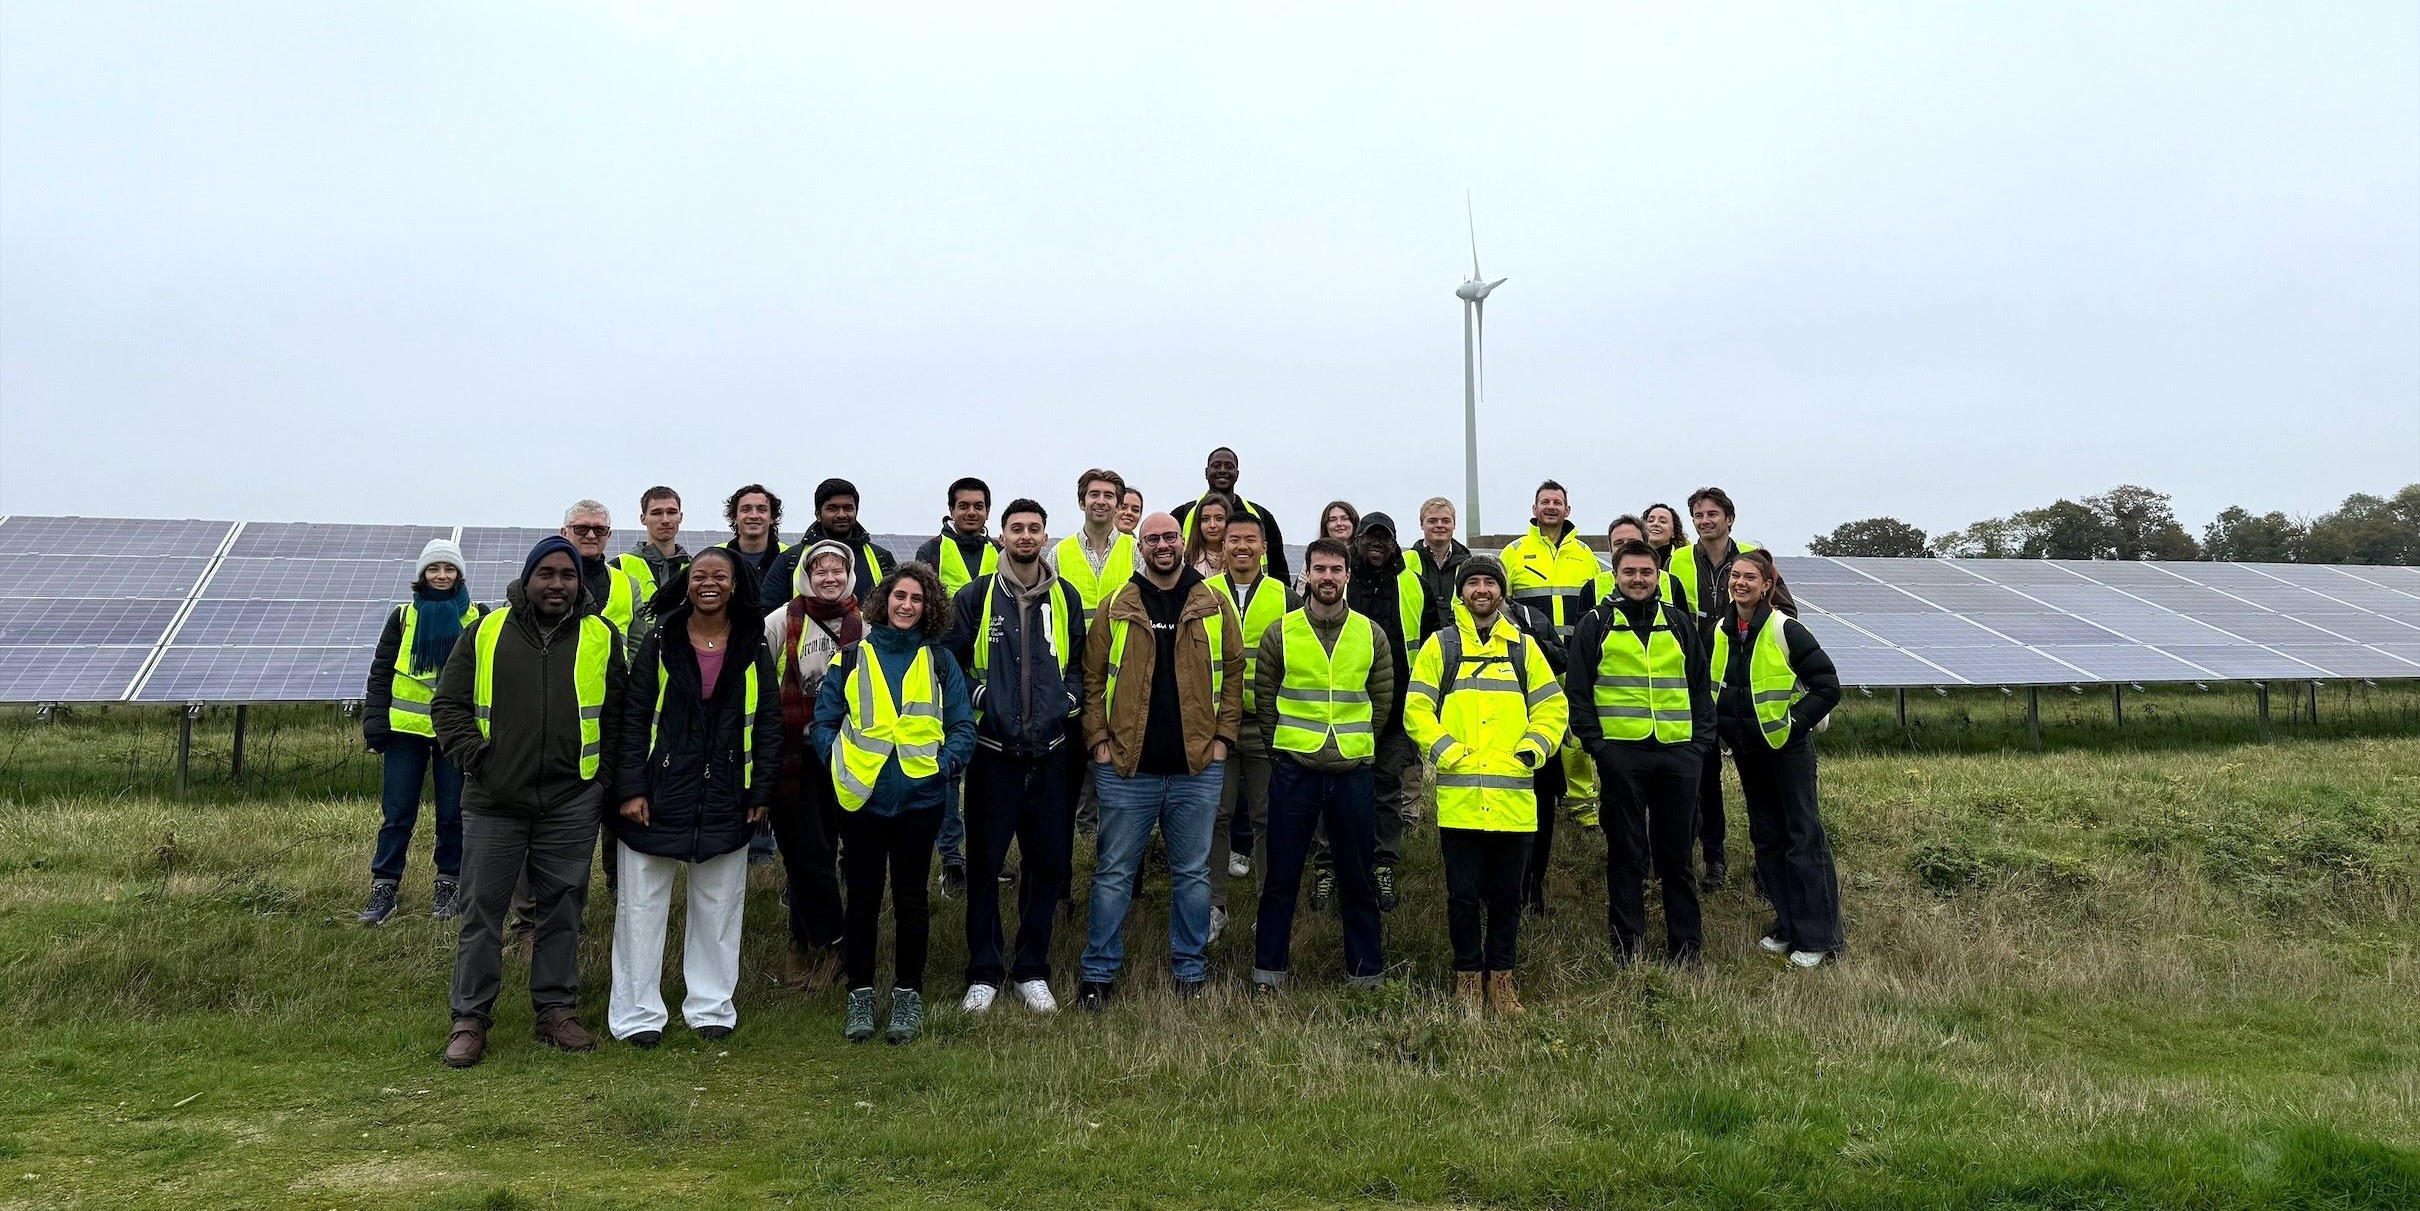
x,y
462,263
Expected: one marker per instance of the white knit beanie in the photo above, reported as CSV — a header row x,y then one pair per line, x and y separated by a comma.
x,y
440,550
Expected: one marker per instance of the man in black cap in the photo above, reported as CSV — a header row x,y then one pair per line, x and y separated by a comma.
x,y
1387,591
835,519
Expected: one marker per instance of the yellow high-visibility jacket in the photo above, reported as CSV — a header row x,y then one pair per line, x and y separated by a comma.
x,y
1488,731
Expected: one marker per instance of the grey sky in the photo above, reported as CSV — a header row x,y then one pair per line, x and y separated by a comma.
x,y
465,262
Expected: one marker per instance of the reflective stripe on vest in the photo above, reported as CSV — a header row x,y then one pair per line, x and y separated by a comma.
x,y
1772,684
640,572
1642,689
954,575
1555,577
1267,607
1409,594
1092,589
592,648
1326,693
1213,629
1053,609
409,696
747,721
621,598
1683,570
909,729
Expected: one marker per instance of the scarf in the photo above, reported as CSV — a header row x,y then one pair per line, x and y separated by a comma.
x,y
440,625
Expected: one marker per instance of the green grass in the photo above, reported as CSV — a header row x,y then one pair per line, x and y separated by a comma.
x,y
2179,973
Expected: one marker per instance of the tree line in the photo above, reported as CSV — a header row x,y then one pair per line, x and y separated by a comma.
x,y
2133,522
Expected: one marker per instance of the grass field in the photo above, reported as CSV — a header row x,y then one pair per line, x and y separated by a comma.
x,y
2160,966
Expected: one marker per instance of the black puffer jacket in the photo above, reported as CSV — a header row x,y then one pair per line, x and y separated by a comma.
x,y
1735,707
693,771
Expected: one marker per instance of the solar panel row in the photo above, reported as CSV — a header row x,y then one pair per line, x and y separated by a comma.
x,y
110,609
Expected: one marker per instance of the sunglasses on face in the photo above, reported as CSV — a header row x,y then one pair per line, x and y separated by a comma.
x,y
592,531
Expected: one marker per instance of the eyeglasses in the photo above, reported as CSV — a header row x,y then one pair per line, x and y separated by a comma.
x,y
592,531
1165,539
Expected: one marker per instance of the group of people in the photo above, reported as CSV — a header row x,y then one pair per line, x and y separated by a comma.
x,y
1162,673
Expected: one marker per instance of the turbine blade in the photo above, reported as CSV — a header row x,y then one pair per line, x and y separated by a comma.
x,y
1473,218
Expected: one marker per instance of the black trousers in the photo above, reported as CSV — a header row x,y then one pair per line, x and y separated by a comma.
x,y
1483,895
1712,831
900,847
1345,805
1025,799
550,852
806,829
1650,816
1793,854
1550,784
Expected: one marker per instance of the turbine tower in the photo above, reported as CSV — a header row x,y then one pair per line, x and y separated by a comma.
x,y
1473,292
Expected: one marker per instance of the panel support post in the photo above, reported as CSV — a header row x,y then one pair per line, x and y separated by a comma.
x,y
2314,687
2033,716
2117,704
1903,711
2260,691
236,763
184,750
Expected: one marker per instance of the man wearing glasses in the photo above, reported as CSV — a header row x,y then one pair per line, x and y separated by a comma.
x,y
589,526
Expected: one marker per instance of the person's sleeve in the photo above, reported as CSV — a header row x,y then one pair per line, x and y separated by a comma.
x,y
1580,678
1698,659
1096,676
773,591
1072,605
1231,654
1277,545
831,705
610,728
959,640
1421,696
1384,684
1540,627
451,714
1549,712
930,553
777,633
1268,676
766,769
957,719
631,725
1815,671
885,563
378,695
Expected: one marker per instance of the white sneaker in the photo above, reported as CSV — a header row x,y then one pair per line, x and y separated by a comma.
x,y
1773,945
1239,865
979,998
1218,923
1036,995
1806,958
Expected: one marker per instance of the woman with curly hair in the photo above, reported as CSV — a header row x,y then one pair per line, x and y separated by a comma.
x,y
894,723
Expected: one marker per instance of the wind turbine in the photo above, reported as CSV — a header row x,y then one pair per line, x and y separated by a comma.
x,y
1473,292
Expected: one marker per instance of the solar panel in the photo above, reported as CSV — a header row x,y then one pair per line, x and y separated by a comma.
x,y
1881,668
2257,627
1923,630
310,579
1975,597
2018,572
112,536
312,540
83,622
2006,664
500,544
2354,660
1807,569
54,674
258,675
2045,628
2239,662
2125,663
215,623
1833,633
2361,627
1910,572
49,576
2144,625
1853,598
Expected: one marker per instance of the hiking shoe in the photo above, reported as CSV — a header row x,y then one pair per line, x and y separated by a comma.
x,y
714,1034
859,1025
1469,992
1264,993
1092,997
1773,945
1717,874
953,879
1323,891
445,902
561,1030
467,1044
381,903
1806,958
646,1040
907,1016
1239,864
1190,990
979,998
1384,876
1036,995
1218,924
1503,995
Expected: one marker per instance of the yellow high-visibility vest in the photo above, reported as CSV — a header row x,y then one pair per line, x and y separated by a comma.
x,y
409,695
1268,606
1326,693
878,729
1077,571
1476,729
1642,690
1772,683
592,648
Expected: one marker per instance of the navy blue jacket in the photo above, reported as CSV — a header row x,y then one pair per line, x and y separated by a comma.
x,y
894,791
1027,701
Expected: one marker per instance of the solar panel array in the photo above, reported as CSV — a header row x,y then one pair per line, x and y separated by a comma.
x,y
117,609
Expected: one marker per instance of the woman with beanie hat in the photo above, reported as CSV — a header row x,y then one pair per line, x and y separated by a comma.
x,y
698,752
820,621
395,724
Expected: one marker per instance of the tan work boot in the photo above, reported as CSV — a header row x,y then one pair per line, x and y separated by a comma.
x,y
1467,995
1503,995
467,1045
558,1028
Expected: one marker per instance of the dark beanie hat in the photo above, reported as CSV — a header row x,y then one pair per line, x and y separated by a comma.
x,y
1479,565
835,486
548,546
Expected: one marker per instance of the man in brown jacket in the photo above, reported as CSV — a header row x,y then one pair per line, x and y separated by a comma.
x,y
1163,702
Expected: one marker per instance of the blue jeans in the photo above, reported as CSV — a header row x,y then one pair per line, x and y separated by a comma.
x,y
1301,801
1185,806
405,766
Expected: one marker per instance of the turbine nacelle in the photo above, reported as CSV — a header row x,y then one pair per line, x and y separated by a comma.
x,y
1475,291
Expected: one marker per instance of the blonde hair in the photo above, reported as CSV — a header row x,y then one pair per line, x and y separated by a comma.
x,y
1434,502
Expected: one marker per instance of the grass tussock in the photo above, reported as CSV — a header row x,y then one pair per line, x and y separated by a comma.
x,y
2179,974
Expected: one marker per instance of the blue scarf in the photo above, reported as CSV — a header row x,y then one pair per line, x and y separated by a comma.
x,y
440,625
